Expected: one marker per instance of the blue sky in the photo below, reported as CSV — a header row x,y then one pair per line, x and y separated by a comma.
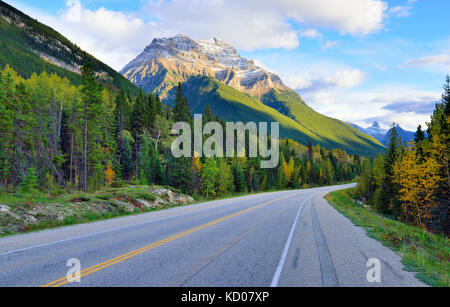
x,y
356,60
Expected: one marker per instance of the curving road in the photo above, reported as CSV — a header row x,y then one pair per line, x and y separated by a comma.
x,y
291,238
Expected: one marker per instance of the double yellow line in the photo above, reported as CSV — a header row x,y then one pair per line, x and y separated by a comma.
x,y
64,280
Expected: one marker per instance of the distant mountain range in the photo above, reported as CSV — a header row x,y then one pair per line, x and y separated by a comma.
x,y
237,89
382,135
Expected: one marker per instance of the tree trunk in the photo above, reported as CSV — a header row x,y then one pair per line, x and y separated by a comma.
x,y
85,148
71,159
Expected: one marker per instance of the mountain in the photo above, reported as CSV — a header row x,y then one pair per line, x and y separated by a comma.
x,y
167,61
382,135
237,89
29,46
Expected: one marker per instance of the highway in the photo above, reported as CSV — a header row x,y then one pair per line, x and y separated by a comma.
x,y
277,239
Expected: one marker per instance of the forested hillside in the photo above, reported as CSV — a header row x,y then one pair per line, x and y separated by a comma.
x,y
306,126
30,47
60,137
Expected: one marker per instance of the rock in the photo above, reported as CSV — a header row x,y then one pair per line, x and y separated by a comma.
x,y
172,197
4,208
29,219
145,204
183,199
159,202
123,205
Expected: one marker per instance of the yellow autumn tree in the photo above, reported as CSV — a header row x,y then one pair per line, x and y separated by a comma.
x,y
109,175
288,169
417,182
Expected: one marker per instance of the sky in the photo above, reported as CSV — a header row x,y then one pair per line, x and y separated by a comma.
x,y
355,60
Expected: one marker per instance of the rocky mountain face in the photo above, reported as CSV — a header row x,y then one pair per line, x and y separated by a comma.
x,y
167,61
382,135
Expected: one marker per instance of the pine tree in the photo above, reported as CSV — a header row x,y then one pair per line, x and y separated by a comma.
x,y
139,124
92,97
207,115
29,183
181,111
126,158
146,169
439,135
239,178
419,137
156,165
390,203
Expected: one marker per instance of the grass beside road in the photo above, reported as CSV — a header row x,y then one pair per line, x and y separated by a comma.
x,y
69,209
422,252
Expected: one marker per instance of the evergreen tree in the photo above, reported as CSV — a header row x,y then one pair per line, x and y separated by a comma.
x,y
207,115
181,111
239,178
29,183
390,203
419,137
92,97
146,169
126,159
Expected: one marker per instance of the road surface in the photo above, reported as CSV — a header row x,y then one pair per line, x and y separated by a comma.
x,y
290,238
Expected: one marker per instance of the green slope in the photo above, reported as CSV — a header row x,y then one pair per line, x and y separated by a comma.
x,y
19,49
335,132
232,105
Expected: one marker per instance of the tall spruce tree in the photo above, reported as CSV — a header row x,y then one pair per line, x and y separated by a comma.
x,y
92,97
181,111
390,203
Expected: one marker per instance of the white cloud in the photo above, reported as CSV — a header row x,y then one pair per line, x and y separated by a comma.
x,y
356,17
317,83
311,33
407,106
346,78
116,37
439,62
298,82
402,10
329,44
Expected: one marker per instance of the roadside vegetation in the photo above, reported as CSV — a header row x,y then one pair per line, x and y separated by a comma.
x,y
421,251
21,212
411,183
403,196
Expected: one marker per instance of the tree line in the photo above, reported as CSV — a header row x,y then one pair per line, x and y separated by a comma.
x,y
412,182
57,136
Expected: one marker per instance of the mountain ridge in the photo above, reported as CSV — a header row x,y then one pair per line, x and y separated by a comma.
x,y
382,135
241,85
176,58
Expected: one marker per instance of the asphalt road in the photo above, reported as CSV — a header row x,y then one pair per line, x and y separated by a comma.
x,y
291,238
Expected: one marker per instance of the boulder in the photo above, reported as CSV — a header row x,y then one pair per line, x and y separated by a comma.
x,y
4,208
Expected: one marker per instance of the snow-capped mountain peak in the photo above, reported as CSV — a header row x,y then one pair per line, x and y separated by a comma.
x,y
376,125
184,57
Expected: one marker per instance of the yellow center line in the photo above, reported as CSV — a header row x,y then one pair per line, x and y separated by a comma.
x,y
108,263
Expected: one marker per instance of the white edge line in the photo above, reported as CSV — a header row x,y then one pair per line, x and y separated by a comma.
x,y
277,275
